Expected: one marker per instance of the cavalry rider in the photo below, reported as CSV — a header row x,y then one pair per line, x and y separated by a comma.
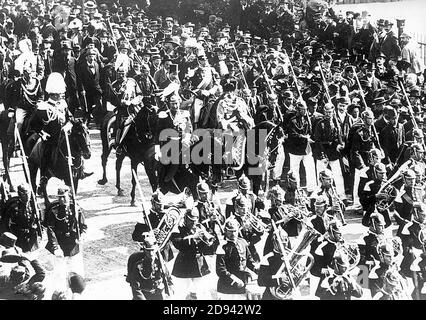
x,y
174,125
49,119
21,99
233,262
19,217
123,92
144,271
205,83
371,198
233,117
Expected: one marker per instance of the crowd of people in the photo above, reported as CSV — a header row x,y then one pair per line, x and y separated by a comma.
x,y
345,97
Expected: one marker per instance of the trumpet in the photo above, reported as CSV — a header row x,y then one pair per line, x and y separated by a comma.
x,y
251,221
200,233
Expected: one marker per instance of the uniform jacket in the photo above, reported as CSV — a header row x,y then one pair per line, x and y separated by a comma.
x,y
90,81
233,258
296,127
327,138
368,201
62,229
190,261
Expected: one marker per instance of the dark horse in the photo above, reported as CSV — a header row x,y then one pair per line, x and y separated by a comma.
x,y
80,148
139,146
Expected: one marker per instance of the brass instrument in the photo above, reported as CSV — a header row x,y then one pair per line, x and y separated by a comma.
x,y
299,264
202,234
288,212
393,286
167,223
351,250
212,212
249,220
396,245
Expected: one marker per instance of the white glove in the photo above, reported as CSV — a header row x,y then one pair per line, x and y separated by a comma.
x,y
237,281
67,127
44,135
58,253
157,152
10,114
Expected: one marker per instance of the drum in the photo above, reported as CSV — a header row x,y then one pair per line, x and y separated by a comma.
x,y
254,292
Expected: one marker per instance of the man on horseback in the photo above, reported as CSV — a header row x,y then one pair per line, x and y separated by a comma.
x,y
21,100
49,119
233,117
179,120
122,95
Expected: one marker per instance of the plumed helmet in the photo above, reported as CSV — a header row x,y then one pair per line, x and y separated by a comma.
x,y
320,201
409,174
231,224
241,202
244,182
380,168
276,193
202,186
55,83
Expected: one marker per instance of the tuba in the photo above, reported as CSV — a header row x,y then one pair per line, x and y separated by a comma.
x,y
166,225
249,220
300,264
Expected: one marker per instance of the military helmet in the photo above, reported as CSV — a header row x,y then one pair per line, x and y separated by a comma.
x,y
244,182
24,188
320,201
379,168
232,224
276,193
202,187
55,83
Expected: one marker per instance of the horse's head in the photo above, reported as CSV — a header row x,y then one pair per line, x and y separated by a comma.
x,y
81,139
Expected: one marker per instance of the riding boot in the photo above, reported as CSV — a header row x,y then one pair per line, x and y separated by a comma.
x,y
119,148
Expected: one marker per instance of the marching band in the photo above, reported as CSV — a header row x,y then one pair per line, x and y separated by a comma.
x,y
342,107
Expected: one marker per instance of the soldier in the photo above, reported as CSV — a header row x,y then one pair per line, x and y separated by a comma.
x,y
367,173
299,145
50,118
328,145
363,140
64,230
323,250
167,140
321,219
233,262
339,285
375,197
376,233
244,190
156,213
209,209
409,207
145,273
123,94
392,137
20,218
146,85
21,99
190,267
270,264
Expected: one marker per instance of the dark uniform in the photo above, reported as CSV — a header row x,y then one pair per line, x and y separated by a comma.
x,y
368,200
21,220
363,141
62,229
233,259
145,277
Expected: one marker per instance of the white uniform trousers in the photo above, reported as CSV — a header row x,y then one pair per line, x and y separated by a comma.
x,y
309,163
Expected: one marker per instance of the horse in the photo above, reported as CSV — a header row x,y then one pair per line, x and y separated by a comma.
x,y
139,146
79,140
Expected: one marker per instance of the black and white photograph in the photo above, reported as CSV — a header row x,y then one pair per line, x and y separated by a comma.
x,y
228,152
